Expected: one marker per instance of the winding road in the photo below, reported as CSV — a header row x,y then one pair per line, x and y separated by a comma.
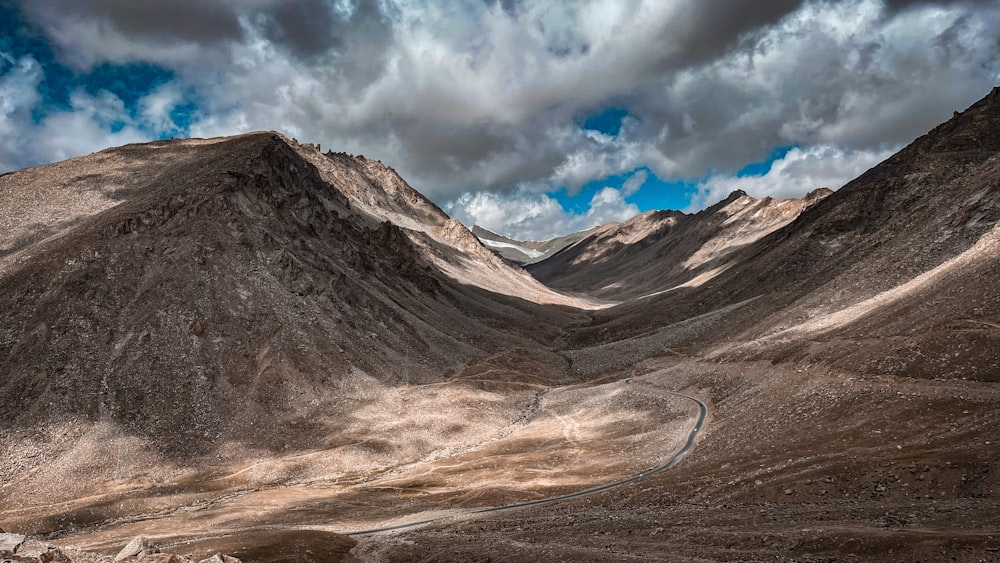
x,y
674,460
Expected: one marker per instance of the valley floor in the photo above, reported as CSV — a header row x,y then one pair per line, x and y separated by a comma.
x,y
793,463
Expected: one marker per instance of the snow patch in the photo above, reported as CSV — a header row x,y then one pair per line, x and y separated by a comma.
x,y
526,251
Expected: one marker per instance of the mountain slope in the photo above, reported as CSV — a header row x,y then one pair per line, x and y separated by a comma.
x,y
245,292
893,273
661,250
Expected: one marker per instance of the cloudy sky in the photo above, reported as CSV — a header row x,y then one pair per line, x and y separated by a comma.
x,y
531,118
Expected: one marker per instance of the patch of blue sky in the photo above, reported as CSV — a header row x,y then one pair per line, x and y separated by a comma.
x,y
607,121
654,193
130,82
764,166
182,115
657,193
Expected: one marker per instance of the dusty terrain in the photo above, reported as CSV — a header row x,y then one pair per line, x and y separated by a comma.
x,y
793,466
247,346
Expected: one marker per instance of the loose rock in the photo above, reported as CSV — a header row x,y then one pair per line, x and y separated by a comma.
x,y
10,542
220,558
140,545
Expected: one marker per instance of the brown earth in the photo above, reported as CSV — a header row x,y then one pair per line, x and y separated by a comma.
x,y
662,251
246,346
795,464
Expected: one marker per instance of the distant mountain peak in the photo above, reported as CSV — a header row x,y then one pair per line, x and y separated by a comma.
x,y
818,193
526,252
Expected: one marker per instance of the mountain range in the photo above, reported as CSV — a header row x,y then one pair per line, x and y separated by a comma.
x,y
206,338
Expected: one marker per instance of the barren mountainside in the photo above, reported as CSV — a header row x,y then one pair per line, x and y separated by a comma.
x,y
248,289
660,250
890,274
245,345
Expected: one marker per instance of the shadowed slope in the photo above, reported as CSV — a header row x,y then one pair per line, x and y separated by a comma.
x,y
907,248
197,292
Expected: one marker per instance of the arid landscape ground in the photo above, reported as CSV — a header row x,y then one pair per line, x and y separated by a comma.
x,y
246,346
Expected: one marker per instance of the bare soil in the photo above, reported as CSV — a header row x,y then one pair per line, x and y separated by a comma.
x,y
247,346
793,465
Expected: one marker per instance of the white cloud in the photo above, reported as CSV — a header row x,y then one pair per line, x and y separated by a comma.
x,y
526,216
156,107
797,173
88,126
92,122
488,96
634,182
18,94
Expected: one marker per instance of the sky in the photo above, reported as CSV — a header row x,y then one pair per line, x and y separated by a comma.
x,y
531,118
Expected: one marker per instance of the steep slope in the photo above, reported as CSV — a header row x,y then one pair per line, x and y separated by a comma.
x,y
442,240
246,293
893,273
662,250
526,252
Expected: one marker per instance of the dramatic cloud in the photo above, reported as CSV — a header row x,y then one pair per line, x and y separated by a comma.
x,y
798,172
18,93
538,215
89,123
487,100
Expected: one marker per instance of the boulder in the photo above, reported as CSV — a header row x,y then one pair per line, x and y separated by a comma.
x,y
10,542
140,545
15,547
220,558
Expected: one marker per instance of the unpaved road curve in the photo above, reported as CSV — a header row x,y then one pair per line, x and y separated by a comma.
x,y
672,461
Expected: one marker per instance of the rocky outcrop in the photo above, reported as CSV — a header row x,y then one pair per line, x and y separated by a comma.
x,y
220,558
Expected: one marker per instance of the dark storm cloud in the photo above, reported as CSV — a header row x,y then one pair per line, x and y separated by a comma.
x,y
367,38
707,28
894,6
442,152
304,27
202,21
307,27
873,83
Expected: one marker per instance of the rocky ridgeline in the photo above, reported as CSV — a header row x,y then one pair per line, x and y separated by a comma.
x,y
16,548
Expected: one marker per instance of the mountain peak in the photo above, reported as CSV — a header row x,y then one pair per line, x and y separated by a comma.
x,y
817,194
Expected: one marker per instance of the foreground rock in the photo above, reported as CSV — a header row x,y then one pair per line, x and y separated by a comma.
x,y
17,548
220,558
139,546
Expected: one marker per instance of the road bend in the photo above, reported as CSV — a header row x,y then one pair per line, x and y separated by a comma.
x,y
692,437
